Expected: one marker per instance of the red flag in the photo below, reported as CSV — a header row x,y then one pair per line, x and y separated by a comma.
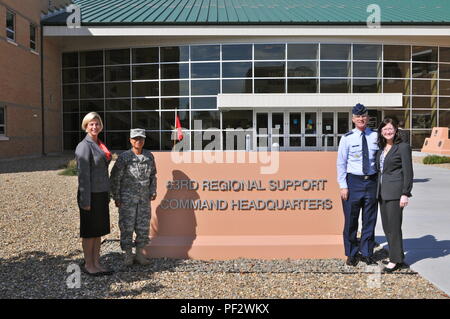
x,y
178,127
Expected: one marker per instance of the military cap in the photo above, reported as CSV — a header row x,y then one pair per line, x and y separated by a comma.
x,y
359,109
136,132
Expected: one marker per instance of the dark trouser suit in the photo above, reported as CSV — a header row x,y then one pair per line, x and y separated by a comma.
x,y
361,195
391,217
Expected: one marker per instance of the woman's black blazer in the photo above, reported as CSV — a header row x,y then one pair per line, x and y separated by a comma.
x,y
396,179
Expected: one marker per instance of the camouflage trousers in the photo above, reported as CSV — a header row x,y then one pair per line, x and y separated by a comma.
x,y
134,217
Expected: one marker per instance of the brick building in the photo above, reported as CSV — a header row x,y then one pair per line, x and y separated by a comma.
x,y
289,70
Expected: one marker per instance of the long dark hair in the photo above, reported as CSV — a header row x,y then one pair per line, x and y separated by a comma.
x,y
381,139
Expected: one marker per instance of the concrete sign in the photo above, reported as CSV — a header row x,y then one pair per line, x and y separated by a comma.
x,y
231,210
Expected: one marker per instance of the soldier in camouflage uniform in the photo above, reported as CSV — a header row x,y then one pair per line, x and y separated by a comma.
x,y
133,186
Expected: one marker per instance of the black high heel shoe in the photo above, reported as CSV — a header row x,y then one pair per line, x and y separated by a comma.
x,y
391,270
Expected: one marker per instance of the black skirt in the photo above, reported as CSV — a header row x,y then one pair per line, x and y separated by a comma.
x,y
95,222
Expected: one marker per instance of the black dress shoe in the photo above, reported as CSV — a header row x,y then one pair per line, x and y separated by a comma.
x,y
352,261
368,260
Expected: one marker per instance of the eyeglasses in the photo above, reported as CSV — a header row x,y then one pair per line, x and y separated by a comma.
x,y
388,129
359,116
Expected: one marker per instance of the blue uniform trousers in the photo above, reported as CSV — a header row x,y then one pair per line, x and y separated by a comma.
x,y
361,196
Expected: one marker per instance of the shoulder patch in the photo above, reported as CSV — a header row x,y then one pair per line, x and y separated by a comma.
x,y
349,133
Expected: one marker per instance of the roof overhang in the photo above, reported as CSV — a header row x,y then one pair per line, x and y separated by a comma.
x,y
306,100
246,30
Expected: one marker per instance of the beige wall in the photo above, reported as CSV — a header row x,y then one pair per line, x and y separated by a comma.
x,y
20,86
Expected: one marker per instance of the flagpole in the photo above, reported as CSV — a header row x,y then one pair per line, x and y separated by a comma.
x,y
175,127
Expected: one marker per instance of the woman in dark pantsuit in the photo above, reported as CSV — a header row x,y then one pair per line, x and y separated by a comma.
x,y
93,159
395,182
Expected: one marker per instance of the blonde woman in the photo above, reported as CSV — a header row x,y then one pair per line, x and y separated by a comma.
x,y
93,159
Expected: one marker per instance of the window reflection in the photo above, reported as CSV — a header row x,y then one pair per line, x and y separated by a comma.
x,y
303,51
237,52
270,51
302,69
335,51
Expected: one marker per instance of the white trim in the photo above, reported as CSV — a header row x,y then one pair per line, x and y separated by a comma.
x,y
251,30
258,101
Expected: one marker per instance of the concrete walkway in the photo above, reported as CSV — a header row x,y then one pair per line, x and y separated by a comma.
x,y
426,226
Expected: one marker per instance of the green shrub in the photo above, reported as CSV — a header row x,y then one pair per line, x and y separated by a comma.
x,y
70,169
435,159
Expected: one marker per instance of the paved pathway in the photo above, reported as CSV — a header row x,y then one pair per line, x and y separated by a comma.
x,y
426,226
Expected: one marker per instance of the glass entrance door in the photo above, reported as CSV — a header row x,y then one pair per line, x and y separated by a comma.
x,y
270,128
300,130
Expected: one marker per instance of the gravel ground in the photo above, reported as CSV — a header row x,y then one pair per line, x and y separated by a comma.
x,y
39,239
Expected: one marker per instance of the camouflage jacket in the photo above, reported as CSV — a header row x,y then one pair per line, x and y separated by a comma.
x,y
132,177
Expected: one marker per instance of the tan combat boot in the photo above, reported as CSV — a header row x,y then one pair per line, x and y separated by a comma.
x,y
128,258
140,257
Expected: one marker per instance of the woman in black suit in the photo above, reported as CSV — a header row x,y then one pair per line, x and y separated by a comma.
x,y
395,182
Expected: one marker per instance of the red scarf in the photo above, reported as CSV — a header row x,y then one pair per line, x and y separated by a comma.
x,y
105,150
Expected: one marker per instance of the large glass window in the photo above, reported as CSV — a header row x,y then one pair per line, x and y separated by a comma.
x,y
144,86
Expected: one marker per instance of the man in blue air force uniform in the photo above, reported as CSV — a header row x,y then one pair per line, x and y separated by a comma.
x,y
357,178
